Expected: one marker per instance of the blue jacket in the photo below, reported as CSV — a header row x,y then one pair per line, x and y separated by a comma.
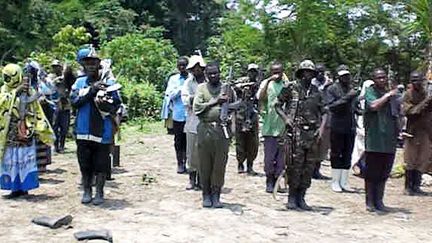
x,y
89,123
172,102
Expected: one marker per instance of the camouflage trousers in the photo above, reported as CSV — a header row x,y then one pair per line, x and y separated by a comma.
x,y
247,146
301,165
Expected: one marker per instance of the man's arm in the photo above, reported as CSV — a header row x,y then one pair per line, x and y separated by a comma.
x,y
200,105
411,109
262,91
339,104
373,103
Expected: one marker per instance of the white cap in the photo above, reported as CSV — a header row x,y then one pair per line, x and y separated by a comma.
x,y
194,60
343,72
253,66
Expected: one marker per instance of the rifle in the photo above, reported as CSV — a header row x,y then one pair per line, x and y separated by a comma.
x,y
225,90
25,99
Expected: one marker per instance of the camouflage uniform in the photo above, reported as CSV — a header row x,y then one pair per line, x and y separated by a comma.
x,y
246,134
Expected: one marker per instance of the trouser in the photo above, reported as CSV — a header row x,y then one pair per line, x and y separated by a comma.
x,y
179,141
192,151
342,145
93,157
301,167
247,146
49,113
61,126
378,166
213,153
274,158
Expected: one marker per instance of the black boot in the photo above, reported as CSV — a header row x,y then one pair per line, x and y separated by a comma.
x,y
370,196
301,200
292,199
250,171
240,168
207,202
215,198
192,180
198,185
87,186
409,183
379,196
317,174
270,183
417,179
181,165
100,183
62,144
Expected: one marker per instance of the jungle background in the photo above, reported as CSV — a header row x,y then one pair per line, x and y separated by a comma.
x,y
144,38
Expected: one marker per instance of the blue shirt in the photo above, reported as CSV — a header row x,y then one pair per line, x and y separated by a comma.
x,y
173,103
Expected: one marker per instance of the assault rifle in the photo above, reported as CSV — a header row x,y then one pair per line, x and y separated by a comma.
x,y
224,115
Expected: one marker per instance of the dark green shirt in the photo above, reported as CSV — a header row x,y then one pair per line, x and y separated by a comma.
x,y
380,126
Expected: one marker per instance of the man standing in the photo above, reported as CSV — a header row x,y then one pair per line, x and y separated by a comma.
x,y
341,103
173,104
94,128
381,138
417,107
247,140
304,108
211,101
196,67
273,126
322,81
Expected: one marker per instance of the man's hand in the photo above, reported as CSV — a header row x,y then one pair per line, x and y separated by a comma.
x,y
99,85
23,87
275,77
392,92
222,98
353,93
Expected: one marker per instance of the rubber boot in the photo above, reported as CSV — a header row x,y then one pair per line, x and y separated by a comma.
x,y
270,183
87,186
181,167
301,200
240,168
409,183
336,177
370,196
215,198
344,181
250,171
317,174
379,196
417,179
192,180
207,202
100,183
292,199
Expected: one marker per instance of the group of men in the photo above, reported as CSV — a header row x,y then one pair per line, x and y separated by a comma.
x,y
301,120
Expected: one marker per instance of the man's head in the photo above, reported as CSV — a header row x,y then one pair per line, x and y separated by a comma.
x,y
321,69
306,70
252,71
380,78
417,78
182,63
213,73
277,69
344,75
196,65
56,67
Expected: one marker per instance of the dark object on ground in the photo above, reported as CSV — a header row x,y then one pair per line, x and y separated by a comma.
x,y
53,223
94,235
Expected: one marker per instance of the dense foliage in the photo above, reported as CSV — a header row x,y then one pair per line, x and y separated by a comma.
x,y
145,37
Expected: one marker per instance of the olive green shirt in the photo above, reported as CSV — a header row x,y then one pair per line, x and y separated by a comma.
x,y
380,125
273,124
201,107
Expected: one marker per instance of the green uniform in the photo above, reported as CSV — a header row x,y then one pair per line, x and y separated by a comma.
x,y
246,134
212,145
304,107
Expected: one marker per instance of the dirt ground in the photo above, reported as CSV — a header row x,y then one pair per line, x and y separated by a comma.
x,y
163,211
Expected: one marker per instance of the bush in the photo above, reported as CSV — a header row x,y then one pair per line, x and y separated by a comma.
x,y
142,58
142,99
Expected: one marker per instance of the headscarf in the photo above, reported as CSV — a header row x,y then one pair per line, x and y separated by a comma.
x,y
9,106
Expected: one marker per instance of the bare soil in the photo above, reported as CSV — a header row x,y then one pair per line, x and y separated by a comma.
x,y
163,211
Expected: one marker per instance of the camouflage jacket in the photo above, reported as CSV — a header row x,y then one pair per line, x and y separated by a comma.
x,y
247,113
303,108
